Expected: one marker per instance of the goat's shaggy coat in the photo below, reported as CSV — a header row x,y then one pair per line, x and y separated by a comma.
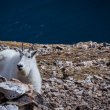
x,y
8,61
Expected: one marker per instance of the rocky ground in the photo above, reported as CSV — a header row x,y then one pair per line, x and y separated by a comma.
x,y
75,77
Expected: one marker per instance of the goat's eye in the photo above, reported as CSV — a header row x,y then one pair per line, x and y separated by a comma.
x,y
20,56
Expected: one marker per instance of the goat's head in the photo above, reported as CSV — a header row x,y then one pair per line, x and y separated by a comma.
x,y
26,63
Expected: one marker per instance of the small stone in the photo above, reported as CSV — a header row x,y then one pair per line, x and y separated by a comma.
x,y
59,75
68,108
11,107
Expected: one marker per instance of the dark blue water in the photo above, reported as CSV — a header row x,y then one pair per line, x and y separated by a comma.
x,y
55,21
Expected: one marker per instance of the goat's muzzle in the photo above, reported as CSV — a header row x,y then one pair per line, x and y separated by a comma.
x,y
19,66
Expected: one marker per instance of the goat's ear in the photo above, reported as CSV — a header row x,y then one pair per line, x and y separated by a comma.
x,y
20,51
33,53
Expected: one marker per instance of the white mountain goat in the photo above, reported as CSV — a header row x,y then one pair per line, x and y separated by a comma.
x,y
28,70
21,65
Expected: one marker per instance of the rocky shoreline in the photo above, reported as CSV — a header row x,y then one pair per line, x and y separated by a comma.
x,y
75,77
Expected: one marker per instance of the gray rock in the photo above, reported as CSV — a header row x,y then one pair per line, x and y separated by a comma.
x,y
9,107
13,90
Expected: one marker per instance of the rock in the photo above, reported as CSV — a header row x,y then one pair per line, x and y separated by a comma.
x,y
9,107
98,77
22,101
82,107
59,75
108,63
68,108
88,79
87,63
13,90
14,95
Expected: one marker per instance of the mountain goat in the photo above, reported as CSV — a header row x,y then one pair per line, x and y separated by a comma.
x,y
28,70
21,65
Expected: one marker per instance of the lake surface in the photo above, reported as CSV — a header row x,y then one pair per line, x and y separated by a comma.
x,y
55,21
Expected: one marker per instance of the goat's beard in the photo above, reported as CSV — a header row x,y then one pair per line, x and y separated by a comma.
x,y
22,73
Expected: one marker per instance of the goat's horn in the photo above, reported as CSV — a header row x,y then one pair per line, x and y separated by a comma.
x,y
31,48
22,46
